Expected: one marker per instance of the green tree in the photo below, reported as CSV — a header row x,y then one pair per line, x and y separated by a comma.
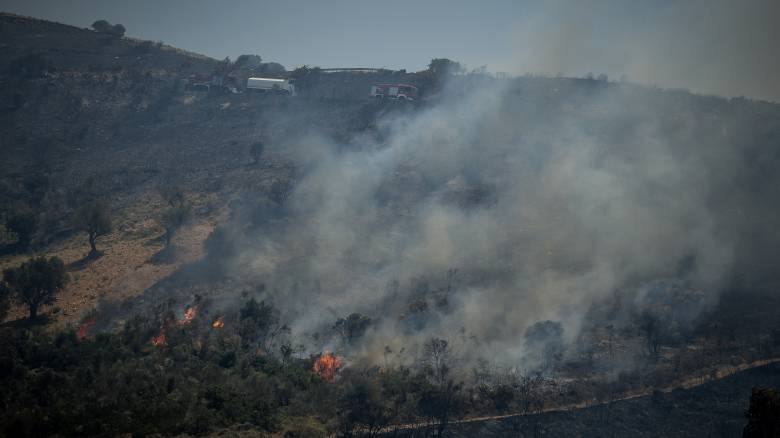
x,y
7,237
172,219
104,26
5,300
256,150
250,62
22,222
652,328
94,218
443,66
36,281
763,414
352,327
177,213
259,324
362,408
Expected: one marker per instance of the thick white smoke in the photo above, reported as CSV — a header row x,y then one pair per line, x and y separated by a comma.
x,y
497,208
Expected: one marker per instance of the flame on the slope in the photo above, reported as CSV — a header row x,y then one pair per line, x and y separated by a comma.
x,y
327,365
218,322
189,315
160,338
84,328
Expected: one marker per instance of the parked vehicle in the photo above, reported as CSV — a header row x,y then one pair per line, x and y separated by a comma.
x,y
271,85
394,91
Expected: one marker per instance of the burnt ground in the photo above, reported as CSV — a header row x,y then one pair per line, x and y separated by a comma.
x,y
714,409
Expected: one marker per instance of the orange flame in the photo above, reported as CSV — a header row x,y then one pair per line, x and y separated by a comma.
x,y
84,328
189,315
218,322
160,338
327,365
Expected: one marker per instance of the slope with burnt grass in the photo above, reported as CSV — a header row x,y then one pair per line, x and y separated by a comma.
x,y
714,409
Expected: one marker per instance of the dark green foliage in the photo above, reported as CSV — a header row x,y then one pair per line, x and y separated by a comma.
x,y
36,281
443,66
200,382
352,327
763,415
94,218
5,299
259,324
653,330
22,222
256,151
173,218
105,27
544,340
7,237
250,62
362,408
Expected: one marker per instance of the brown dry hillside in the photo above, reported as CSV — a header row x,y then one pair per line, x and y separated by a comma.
x,y
86,115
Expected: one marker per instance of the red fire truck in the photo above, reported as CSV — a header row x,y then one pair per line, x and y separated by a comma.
x,y
394,91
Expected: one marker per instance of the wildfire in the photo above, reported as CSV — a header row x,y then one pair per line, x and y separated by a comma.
x,y
84,328
327,365
218,322
160,338
189,315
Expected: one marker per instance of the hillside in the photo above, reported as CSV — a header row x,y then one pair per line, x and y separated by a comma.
x,y
715,409
498,244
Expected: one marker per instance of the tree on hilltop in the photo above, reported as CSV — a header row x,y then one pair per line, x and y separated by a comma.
x,y
103,26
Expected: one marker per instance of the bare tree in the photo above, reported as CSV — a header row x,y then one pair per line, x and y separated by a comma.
x,y
650,326
439,399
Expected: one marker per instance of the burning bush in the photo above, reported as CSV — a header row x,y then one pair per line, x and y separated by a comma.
x,y
159,340
326,366
84,328
189,315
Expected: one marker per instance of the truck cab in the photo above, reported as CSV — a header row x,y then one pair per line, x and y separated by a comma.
x,y
394,91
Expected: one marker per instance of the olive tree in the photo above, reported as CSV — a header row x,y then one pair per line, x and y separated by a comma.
x,y
177,213
36,282
5,299
94,218
104,26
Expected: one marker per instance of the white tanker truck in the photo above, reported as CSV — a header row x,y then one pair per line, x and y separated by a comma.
x,y
270,85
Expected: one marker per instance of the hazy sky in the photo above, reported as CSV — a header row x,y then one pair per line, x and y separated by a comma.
x,y
726,47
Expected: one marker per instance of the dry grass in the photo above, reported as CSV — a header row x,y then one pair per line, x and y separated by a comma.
x,y
125,269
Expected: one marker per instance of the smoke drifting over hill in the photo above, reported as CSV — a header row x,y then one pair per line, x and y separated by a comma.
x,y
720,47
503,206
